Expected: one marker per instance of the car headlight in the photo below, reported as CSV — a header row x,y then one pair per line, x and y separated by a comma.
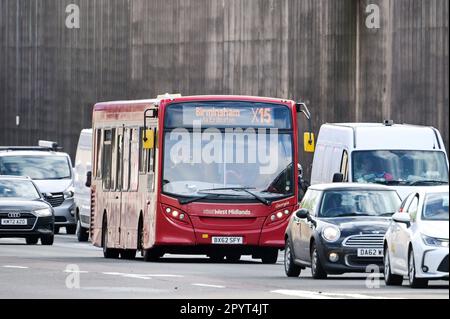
x,y
331,233
46,212
436,242
68,193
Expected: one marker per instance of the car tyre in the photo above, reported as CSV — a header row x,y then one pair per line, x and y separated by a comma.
x,y
216,257
414,282
32,240
317,270
47,240
81,232
389,278
291,269
56,230
233,258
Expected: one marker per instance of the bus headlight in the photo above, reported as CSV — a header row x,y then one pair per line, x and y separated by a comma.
x,y
331,233
46,212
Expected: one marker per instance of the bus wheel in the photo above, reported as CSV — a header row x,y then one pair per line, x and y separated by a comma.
x,y
234,258
270,256
108,252
152,254
128,254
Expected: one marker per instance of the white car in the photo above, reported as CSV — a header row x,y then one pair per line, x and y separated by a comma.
x,y
416,243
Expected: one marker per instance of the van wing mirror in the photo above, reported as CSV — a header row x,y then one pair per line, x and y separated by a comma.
x,y
88,179
338,178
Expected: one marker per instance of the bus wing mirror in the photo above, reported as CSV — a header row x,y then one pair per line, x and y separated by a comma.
x,y
149,139
88,179
308,142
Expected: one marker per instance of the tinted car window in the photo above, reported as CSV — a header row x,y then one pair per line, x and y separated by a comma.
x,y
36,167
18,189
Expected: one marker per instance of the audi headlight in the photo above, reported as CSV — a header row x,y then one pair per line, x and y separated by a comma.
x,y
68,193
46,212
331,233
436,242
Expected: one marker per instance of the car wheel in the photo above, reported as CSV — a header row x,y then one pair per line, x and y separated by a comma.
x,y
108,252
389,278
128,254
317,270
56,230
47,240
291,269
270,257
415,282
81,232
234,258
71,229
32,240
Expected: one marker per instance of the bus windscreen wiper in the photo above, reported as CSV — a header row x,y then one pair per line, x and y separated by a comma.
x,y
243,189
427,182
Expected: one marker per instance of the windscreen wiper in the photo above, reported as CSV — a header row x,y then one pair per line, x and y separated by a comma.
x,y
238,189
426,182
395,182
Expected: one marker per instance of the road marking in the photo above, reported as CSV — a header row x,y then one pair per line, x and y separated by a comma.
x,y
323,295
140,276
301,294
208,286
15,267
76,271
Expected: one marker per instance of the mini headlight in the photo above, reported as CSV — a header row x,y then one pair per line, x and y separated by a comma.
x,y
436,242
46,212
331,233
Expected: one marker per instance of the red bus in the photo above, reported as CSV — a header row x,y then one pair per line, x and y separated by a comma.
x,y
214,175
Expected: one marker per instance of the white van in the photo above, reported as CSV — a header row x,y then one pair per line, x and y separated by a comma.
x,y
83,193
402,156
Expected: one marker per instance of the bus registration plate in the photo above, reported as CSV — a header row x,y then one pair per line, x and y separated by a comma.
x,y
227,240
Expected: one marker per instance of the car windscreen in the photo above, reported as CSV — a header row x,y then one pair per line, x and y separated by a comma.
x,y
436,207
342,203
22,189
36,167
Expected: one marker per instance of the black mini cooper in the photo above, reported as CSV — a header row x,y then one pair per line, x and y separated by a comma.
x,y
23,211
339,228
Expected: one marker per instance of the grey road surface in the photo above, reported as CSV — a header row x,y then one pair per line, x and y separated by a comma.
x,y
73,270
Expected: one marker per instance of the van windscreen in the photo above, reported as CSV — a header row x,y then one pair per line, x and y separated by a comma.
x,y
400,167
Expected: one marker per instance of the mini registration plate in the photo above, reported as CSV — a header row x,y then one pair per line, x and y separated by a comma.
x,y
227,240
370,252
9,222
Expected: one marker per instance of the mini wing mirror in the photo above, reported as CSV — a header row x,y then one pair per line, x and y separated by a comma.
x,y
88,179
402,218
302,213
338,178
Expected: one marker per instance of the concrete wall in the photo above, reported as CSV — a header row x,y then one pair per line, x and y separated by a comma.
x,y
318,51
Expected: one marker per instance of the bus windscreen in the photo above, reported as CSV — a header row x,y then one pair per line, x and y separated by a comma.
x,y
228,114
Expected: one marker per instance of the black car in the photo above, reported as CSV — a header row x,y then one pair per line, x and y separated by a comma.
x,y
339,228
23,211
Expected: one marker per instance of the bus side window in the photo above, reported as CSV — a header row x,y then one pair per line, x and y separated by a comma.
x,y
142,153
98,153
126,159
119,159
135,159
106,158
